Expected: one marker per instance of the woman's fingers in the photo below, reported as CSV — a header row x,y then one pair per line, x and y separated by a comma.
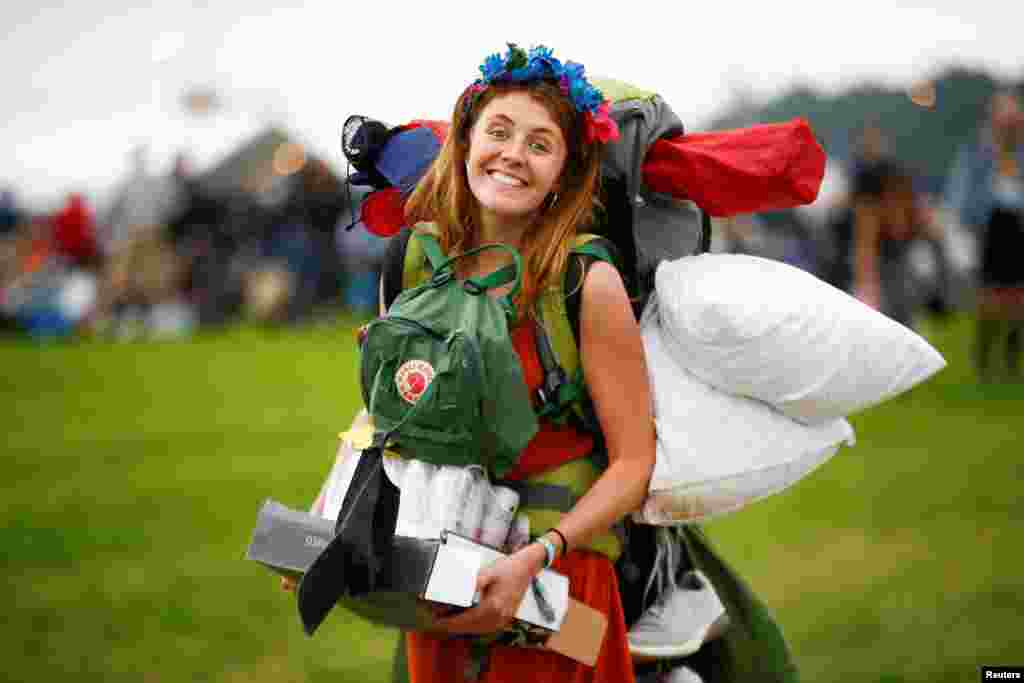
x,y
288,583
495,611
478,620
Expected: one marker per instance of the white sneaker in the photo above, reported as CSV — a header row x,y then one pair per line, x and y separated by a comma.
x,y
681,674
682,620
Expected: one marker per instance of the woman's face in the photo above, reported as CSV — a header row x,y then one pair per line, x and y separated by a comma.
x,y
516,156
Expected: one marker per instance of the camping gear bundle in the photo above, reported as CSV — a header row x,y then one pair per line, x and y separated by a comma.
x,y
754,364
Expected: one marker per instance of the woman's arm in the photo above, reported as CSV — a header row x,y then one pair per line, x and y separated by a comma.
x,y
616,372
866,234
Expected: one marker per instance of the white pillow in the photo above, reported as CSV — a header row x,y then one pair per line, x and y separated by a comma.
x,y
761,328
717,452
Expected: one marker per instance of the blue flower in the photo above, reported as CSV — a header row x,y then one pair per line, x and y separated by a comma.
x,y
492,67
541,52
573,71
544,65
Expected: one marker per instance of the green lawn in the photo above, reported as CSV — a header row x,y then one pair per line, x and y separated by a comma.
x,y
135,471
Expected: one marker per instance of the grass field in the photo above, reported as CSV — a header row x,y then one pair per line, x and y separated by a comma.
x,y
134,472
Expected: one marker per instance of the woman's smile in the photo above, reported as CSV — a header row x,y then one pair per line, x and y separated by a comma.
x,y
506,179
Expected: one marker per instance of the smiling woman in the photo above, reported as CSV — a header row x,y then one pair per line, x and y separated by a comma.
x,y
520,166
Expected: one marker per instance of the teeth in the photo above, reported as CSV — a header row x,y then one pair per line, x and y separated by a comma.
x,y
506,179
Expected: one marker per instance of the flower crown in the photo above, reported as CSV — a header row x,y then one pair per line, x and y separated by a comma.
x,y
520,66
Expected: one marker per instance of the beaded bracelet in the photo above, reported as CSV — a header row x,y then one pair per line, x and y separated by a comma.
x,y
549,550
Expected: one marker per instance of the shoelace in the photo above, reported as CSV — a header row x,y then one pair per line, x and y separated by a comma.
x,y
656,610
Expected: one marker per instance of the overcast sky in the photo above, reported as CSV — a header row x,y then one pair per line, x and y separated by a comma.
x,y
83,85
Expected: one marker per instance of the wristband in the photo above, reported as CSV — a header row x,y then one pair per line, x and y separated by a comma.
x,y
565,542
549,551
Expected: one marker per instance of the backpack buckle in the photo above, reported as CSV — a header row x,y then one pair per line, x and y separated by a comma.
x,y
441,277
550,391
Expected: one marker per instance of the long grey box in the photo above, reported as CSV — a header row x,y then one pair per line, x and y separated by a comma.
x,y
286,540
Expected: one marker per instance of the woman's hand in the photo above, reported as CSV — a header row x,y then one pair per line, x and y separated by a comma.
x,y
502,586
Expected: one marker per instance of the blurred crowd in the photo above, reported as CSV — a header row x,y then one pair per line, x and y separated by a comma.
x,y
910,246
174,252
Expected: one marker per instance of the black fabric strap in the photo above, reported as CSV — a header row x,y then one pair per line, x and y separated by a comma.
x,y
544,496
705,233
394,266
554,374
579,266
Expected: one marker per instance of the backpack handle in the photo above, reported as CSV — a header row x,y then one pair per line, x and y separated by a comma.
x,y
511,273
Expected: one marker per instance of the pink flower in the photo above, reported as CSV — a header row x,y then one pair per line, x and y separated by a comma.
x,y
600,126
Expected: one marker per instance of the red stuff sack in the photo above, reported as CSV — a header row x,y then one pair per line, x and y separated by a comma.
x,y
765,167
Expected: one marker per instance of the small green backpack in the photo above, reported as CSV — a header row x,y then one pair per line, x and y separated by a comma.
x,y
438,372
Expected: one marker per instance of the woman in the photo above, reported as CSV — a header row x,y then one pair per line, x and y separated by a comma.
x,y
887,219
521,167
987,190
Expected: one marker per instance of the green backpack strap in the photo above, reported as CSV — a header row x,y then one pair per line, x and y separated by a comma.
x,y
417,268
429,254
431,248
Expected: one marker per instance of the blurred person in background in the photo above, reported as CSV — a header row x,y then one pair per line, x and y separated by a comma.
x,y
10,223
986,188
47,287
362,256
10,215
74,233
143,276
300,262
885,217
320,199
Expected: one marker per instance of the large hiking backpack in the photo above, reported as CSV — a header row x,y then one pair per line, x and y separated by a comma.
x,y
648,216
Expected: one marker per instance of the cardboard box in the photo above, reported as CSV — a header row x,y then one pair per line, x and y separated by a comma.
x,y
442,570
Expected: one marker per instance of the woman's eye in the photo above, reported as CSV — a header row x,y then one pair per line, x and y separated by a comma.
x,y
498,133
540,147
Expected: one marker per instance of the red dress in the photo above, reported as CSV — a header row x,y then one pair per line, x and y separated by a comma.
x,y
592,580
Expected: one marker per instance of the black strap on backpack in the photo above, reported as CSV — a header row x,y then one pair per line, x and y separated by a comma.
x,y
559,393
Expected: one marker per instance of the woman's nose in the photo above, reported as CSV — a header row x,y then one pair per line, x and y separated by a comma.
x,y
512,151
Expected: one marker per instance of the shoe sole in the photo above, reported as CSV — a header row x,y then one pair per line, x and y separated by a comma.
x,y
717,628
